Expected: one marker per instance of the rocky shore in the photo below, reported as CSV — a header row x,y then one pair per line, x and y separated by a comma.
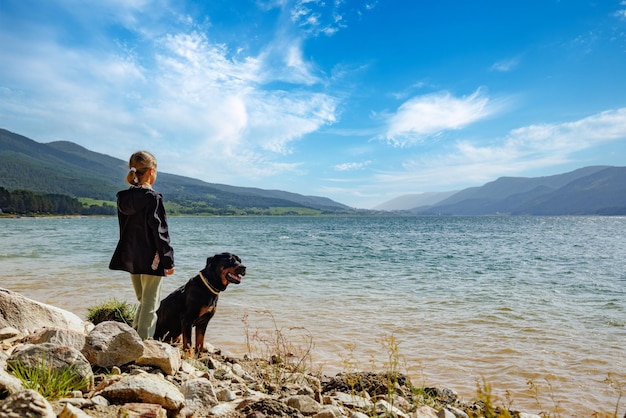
x,y
116,374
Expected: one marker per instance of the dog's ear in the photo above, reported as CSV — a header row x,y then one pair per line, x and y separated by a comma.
x,y
209,260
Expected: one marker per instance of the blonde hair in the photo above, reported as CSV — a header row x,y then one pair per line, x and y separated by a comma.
x,y
139,164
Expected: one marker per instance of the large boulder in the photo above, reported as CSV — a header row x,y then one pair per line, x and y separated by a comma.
x,y
111,344
27,315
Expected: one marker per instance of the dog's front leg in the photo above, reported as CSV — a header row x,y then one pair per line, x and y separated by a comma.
x,y
201,325
186,327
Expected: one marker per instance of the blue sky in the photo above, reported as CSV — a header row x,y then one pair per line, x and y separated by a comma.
x,y
358,101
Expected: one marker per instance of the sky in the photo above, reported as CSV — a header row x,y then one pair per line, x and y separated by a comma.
x,y
357,101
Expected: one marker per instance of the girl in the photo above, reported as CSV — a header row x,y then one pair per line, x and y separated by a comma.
x,y
144,247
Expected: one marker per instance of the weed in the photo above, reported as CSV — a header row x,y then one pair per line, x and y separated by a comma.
x,y
535,388
392,366
487,400
51,383
112,310
614,383
425,396
352,374
284,352
388,382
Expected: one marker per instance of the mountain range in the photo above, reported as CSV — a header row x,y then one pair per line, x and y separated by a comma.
x,y
63,167
596,190
66,168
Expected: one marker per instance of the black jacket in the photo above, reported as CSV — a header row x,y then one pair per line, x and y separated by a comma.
x,y
143,233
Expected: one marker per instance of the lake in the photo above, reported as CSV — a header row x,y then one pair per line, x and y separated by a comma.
x,y
505,299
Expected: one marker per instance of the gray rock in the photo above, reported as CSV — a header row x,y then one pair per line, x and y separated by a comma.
x,y
28,315
77,402
225,395
142,410
425,411
304,404
187,367
57,357
240,372
26,403
457,412
444,413
161,355
352,401
99,400
386,409
442,394
8,332
222,410
8,383
146,388
330,411
198,393
400,402
59,336
70,411
269,407
111,344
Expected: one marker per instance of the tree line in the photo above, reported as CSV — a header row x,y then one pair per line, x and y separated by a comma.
x,y
25,202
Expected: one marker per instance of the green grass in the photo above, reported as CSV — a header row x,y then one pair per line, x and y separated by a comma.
x,y
87,202
112,310
49,382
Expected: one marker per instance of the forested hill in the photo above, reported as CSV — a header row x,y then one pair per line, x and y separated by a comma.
x,y
66,168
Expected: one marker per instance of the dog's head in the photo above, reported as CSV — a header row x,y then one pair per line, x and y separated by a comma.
x,y
227,267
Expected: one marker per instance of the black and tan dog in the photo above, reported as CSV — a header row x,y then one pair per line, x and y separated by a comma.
x,y
194,303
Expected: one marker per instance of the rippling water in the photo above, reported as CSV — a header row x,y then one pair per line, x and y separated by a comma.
x,y
507,299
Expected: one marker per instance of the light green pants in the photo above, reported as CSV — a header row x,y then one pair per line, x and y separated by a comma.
x,y
148,292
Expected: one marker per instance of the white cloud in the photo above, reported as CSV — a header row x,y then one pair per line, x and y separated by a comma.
x,y
506,65
432,114
315,17
282,60
204,95
467,163
621,14
530,147
180,95
352,166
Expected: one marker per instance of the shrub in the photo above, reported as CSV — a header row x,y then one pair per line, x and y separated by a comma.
x,y
112,310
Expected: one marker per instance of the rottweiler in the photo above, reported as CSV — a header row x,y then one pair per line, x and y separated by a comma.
x,y
194,303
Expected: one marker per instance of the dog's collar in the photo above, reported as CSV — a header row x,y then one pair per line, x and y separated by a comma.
x,y
208,285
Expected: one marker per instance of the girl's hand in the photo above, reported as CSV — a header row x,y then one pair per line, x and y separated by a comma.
x,y
169,272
